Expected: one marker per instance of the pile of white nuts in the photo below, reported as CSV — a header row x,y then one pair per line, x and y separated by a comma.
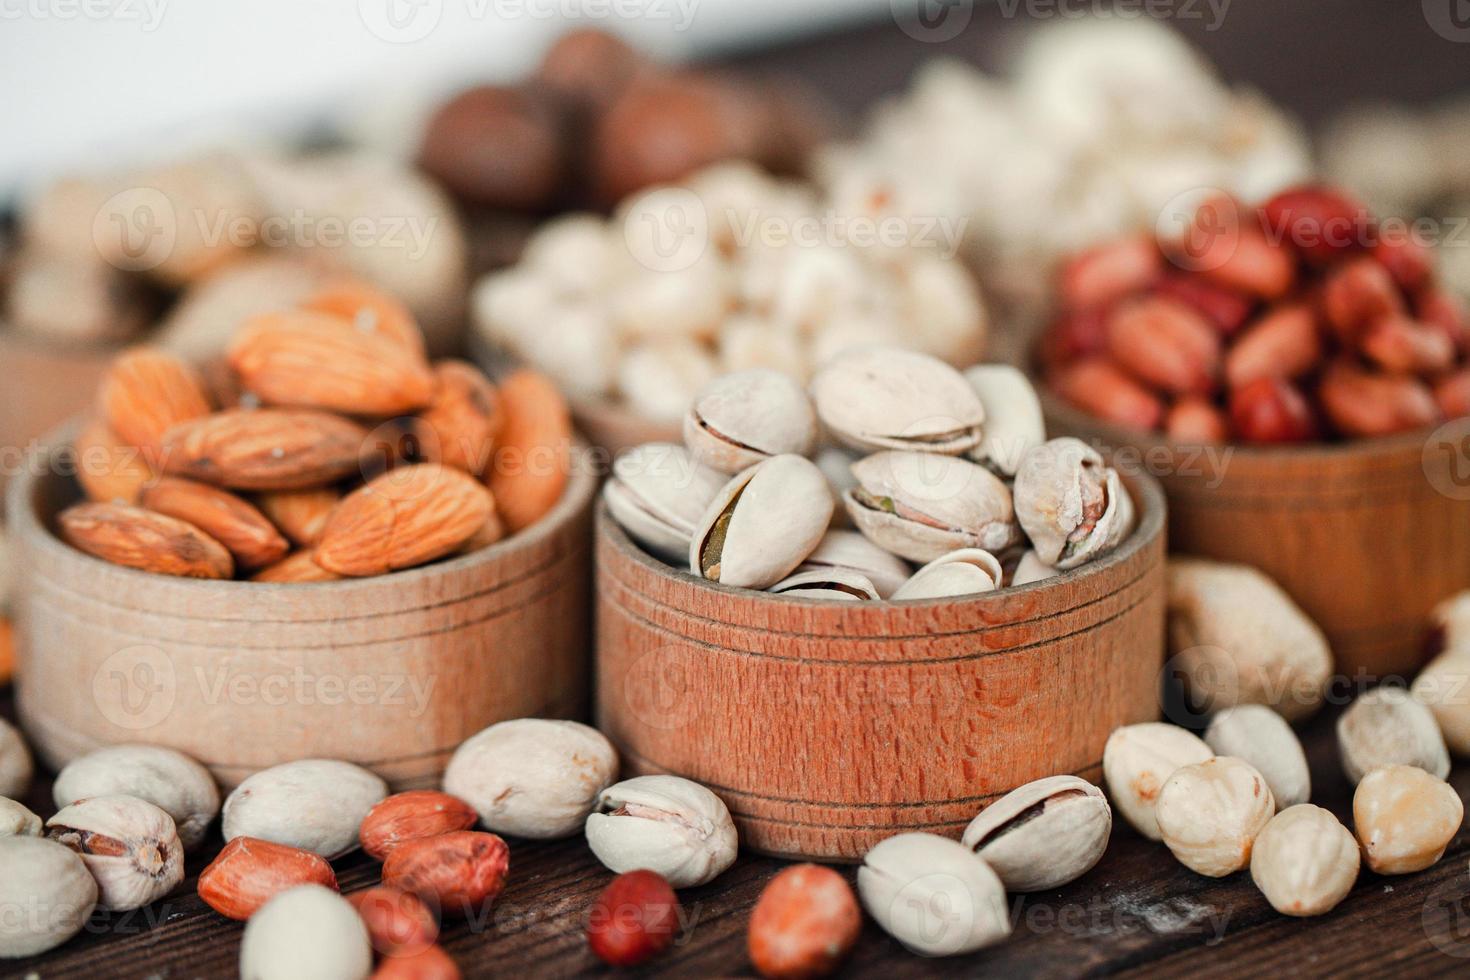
x,y
727,272
948,471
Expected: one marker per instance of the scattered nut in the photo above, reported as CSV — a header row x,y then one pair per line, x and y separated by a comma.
x,y
1210,813
1138,760
17,821
306,931
432,963
248,872
1405,818
314,804
634,919
168,779
664,823
129,845
1260,736
1443,686
934,895
804,924
1388,727
1044,834
398,922
15,762
1304,861
459,874
53,884
410,816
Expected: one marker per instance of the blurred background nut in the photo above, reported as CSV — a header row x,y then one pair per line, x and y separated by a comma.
x,y
399,923
503,147
313,804
69,302
635,918
1138,760
1210,813
1443,686
15,762
533,777
51,879
1405,818
1385,727
168,779
1044,834
1305,861
804,923
306,933
17,821
1237,638
669,825
934,895
1260,736
129,845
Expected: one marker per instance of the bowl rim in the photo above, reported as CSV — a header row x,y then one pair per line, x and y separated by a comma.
x,y
30,530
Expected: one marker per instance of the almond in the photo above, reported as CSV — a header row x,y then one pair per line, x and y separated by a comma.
x,y
369,310
533,459
244,531
411,815
294,570
108,470
316,360
403,518
250,872
460,426
265,449
1282,344
138,538
146,392
300,514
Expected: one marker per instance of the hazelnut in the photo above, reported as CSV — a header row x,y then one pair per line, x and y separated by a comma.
x,y
1443,686
804,924
1260,736
315,804
1405,818
1304,861
589,68
1210,813
129,845
247,873
306,931
410,816
168,779
634,919
49,892
1387,727
500,147
1138,760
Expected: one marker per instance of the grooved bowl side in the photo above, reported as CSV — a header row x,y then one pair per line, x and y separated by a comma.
x,y
1366,536
828,726
391,672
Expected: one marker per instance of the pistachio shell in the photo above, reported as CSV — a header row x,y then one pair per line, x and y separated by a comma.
x,y
840,584
1072,506
1013,420
964,572
1044,834
1031,569
921,506
666,824
657,493
887,398
740,419
763,523
849,550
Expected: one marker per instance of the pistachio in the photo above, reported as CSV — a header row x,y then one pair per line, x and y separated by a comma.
x,y
934,895
1013,420
1044,834
669,825
876,398
1237,638
1138,760
1405,818
740,419
1305,861
657,494
763,523
1072,506
306,933
129,845
1031,569
921,506
1443,686
169,780
48,892
314,804
532,777
964,572
840,584
16,820
1210,813
15,762
841,550
1260,736
1387,727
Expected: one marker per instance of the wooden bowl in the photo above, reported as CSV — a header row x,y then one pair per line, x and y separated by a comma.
x,y
828,726
1357,532
390,672
45,384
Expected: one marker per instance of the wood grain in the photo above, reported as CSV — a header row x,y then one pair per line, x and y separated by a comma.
x,y
1360,534
829,726
392,672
